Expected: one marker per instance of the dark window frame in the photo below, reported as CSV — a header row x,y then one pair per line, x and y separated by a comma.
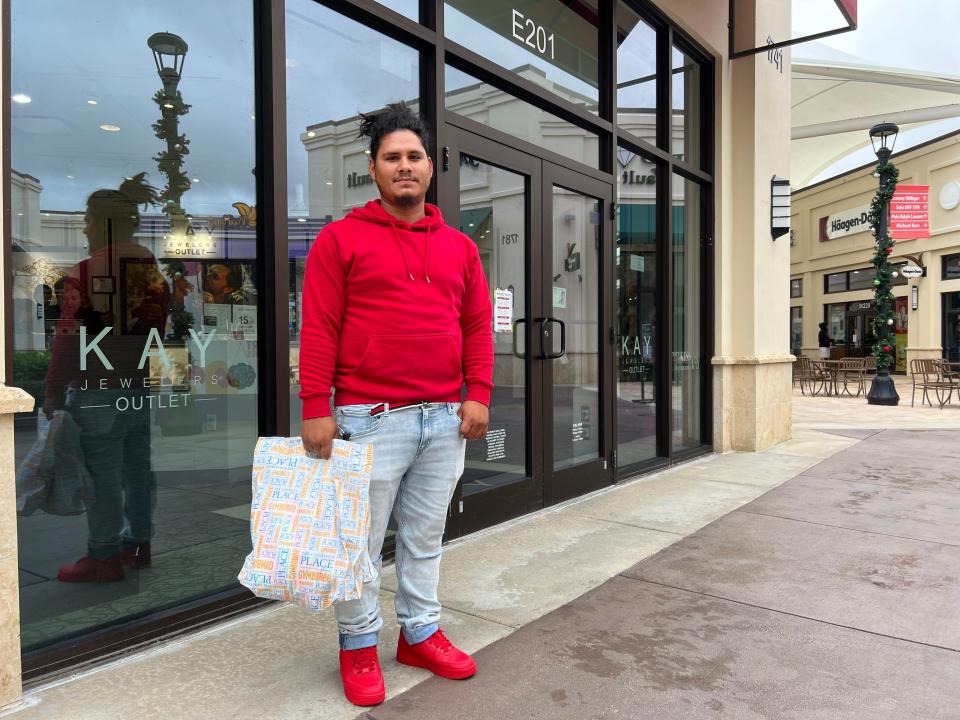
x,y
799,293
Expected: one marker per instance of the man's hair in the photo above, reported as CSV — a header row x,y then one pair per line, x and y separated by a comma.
x,y
397,116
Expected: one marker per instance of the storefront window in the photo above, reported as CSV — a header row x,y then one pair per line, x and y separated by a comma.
x,y
796,287
861,279
636,287
836,315
135,289
479,101
636,75
550,40
796,329
327,164
951,267
686,384
951,326
407,8
835,282
687,100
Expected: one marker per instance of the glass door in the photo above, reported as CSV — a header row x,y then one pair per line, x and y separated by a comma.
x,y
539,233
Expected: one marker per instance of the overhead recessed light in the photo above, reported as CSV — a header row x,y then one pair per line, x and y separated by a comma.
x,y
21,98
367,152
69,177
19,214
301,219
196,179
253,117
311,134
168,105
329,182
91,101
110,128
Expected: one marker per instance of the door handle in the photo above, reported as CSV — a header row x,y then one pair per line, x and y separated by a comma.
x,y
516,335
544,355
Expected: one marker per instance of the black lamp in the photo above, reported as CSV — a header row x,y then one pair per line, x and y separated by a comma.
x,y
169,52
882,390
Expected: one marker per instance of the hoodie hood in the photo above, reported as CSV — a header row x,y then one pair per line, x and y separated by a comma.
x,y
432,220
373,212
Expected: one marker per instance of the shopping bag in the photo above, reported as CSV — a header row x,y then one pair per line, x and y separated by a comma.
x,y
309,523
53,477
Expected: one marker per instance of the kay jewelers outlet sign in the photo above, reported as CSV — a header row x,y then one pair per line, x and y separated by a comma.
x,y
848,222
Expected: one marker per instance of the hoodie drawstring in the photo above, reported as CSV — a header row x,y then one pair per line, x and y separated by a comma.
x,y
426,254
426,251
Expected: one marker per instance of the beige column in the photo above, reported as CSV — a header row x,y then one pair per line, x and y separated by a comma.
x,y
752,364
12,400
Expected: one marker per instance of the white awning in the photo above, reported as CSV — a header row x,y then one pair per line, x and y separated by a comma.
x,y
835,103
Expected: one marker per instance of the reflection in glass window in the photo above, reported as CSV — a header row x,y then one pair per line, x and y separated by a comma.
x,y
835,282
687,354
636,287
493,213
796,330
486,104
135,304
407,8
556,41
687,111
636,75
327,165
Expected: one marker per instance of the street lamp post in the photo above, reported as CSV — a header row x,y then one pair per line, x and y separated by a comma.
x,y
882,390
169,52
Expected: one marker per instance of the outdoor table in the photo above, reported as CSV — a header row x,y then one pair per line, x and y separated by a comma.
x,y
829,369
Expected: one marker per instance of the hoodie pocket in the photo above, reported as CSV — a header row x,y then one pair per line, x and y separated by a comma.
x,y
419,364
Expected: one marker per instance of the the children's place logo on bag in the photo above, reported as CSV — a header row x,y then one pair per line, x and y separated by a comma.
x,y
309,522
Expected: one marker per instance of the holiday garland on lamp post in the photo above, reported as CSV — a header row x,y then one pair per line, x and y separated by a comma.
x,y
884,346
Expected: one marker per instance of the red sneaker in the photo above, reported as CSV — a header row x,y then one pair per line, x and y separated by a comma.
x,y
88,569
362,679
438,655
136,556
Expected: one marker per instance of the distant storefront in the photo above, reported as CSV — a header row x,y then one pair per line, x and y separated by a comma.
x,y
832,277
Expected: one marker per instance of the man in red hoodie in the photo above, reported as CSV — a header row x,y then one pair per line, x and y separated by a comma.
x,y
397,318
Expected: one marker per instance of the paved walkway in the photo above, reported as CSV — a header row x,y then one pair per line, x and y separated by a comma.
x,y
835,595
682,594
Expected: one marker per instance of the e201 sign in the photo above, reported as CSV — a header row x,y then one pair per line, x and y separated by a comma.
x,y
531,34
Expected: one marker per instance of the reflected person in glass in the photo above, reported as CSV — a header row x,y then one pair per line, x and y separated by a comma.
x,y
114,303
397,317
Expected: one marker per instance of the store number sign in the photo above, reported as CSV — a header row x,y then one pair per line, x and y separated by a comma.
x,y
532,34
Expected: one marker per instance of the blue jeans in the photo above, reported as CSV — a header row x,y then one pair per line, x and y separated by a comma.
x,y
417,460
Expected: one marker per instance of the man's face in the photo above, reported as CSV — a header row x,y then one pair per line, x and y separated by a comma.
x,y
217,276
402,169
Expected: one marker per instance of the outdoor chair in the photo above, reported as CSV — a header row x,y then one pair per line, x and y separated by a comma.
x,y
853,370
950,377
927,376
807,374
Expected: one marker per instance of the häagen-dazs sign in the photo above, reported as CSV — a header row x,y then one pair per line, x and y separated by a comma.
x,y
844,223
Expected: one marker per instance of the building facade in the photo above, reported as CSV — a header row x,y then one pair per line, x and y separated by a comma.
x,y
169,170
831,275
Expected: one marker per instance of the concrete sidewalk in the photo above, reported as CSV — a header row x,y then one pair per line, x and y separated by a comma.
x,y
838,587
835,595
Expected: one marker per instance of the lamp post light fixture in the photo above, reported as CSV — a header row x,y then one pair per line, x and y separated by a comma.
x,y
169,52
882,390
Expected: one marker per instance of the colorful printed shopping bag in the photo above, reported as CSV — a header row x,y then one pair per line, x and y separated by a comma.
x,y
309,523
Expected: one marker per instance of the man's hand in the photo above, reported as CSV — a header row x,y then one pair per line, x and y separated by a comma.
x,y
318,435
475,417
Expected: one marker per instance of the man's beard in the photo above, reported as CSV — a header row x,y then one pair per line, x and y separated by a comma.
x,y
408,201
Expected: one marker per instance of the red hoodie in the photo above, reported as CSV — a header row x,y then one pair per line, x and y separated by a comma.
x,y
394,312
